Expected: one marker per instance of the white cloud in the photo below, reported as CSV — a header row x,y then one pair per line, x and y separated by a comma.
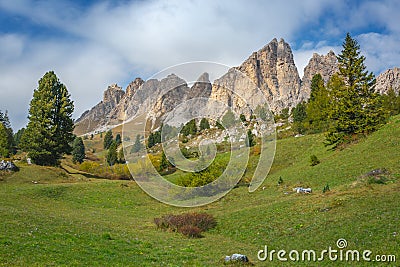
x,y
382,51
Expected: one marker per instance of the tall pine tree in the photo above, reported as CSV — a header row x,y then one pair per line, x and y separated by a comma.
x,y
4,144
49,132
78,150
7,138
356,108
112,155
318,106
137,146
108,139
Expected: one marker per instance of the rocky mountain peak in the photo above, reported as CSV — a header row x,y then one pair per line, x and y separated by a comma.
x,y
270,69
113,94
273,70
134,86
326,65
201,88
388,79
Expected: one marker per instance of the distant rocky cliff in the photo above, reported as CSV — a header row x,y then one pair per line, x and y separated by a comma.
x,y
388,79
319,64
271,69
100,114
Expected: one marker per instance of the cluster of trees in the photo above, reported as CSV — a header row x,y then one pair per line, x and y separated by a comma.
x,y
114,155
348,106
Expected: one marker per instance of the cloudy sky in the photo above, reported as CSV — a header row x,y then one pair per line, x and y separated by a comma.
x,y
91,44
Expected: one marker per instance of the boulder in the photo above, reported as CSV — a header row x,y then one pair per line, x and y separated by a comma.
x,y
8,166
236,257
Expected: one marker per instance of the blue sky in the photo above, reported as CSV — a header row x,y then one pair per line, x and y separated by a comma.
x,y
91,44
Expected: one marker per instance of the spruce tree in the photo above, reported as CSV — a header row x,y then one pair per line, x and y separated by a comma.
x,y
137,146
17,137
4,144
317,83
118,139
112,155
78,150
356,108
189,128
7,133
391,102
121,156
318,106
108,139
204,124
299,114
49,131
164,164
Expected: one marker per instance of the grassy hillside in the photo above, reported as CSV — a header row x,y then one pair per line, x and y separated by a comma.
x,y
54,217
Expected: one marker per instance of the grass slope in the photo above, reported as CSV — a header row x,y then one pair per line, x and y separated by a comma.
x,y
69,219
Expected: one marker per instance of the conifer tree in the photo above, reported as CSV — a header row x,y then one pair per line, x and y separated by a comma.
x,y
48,134
7,134
189,128
4,144
108,139
391,102
112,155
299,114
356,108
318,106
204,124
118,139
164,164
121,156
17,137
78,150
137,145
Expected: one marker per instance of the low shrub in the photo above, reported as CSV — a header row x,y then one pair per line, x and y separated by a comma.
x,y
314,160
326,188
188,224
115,172
190,231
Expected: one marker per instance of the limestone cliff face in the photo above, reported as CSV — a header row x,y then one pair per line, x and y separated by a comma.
x,y
273,70
100,114
388,79
325,65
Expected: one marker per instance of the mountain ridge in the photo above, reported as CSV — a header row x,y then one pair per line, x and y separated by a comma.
x,y
272,69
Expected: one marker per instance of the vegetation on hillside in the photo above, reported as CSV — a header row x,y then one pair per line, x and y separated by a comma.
x,y
105,222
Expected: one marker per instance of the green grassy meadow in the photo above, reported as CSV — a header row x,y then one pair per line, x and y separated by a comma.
x,y
56,217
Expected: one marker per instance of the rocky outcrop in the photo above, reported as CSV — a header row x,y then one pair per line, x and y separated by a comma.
x,y
325,65
100,114
273,70
8,166
118,114
388,79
